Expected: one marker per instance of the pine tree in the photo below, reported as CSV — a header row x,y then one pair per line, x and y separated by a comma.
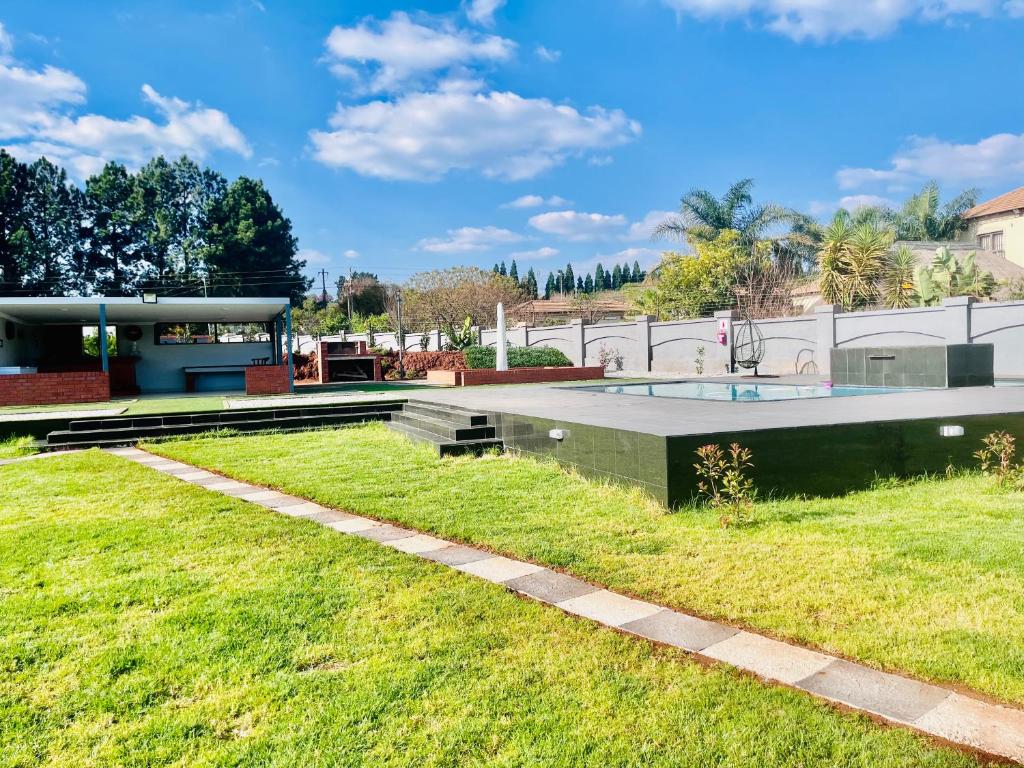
x,y
616,278
607,281
531,284
588,284
495,270
513,271
549,287
501,270
579,285
638,275
570,279
599,277
624,273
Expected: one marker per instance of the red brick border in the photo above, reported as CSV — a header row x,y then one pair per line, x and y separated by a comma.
x,y
54,388
266,380
477,376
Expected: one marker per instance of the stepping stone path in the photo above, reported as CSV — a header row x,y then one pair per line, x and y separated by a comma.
x,y
982,726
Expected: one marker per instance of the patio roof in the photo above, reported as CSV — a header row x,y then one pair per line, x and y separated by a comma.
x,y
77,309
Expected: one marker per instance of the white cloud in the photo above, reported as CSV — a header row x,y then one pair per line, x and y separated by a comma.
x,y
574,225
469,239
36,118
425,136
644,229
992,159
539,254
551,56
6,44
312,256
822,20
351,253
398,51
536,201
482,11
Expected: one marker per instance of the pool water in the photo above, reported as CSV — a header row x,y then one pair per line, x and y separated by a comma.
x,y
743,393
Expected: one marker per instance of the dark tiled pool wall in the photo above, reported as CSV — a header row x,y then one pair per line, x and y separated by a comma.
x,y
821,460
830,460
952,365
620,456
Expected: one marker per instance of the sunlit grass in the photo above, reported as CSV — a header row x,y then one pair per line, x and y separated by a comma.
x,y
13,447
146,622
923,577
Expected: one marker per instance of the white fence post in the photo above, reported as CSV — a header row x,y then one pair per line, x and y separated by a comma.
x,y
643,325
825,317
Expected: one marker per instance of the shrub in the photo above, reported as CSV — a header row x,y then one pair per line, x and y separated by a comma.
x,y
418,363
518,357
724,483
998,460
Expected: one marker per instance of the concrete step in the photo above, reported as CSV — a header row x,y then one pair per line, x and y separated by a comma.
x,y
445,447
444,428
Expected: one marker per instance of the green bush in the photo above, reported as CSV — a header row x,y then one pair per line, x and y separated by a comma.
x,y
518,357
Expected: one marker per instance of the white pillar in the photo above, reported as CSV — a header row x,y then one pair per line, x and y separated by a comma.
x,y
501,352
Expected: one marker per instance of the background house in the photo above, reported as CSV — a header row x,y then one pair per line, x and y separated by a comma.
x,y
997,225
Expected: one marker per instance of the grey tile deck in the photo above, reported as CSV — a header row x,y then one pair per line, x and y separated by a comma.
x,y
991,728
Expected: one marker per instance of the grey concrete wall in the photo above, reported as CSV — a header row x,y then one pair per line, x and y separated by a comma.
x,y
675,346
1001,325
790,345
892,328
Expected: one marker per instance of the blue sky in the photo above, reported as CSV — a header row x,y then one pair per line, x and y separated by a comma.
x,y
405,136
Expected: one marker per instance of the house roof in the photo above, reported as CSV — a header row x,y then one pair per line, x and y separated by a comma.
x,y
171,309
1011,201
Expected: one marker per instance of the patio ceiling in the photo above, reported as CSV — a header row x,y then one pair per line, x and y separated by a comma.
x,y
120,310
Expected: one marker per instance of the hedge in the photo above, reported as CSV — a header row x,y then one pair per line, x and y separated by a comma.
x,y
518,357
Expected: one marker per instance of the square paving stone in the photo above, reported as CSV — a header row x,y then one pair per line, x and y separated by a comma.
x,y
284,501
231,487
148,458
305,509
989,727
384,532
498,569
165,466
768,658
680,630
456,555
209,482
324,516
353,524
196,475
261,496
415,545
609,608
550,586
896,698
126,452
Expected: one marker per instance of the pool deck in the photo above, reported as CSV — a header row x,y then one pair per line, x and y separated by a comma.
x,y
675,416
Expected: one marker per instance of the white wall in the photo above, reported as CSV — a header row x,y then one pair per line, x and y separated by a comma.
x,y
160,366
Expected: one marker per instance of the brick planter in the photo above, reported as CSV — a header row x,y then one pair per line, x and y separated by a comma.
x,y
266,380
476,376
54,388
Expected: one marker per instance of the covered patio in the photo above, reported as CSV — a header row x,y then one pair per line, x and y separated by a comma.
x,y
87,349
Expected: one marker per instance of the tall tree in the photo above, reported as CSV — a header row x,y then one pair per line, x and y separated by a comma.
x,y
251,249
702,216
599,277
588,284
616,278
14,231
513,271
922,216
569,281
502,270
115,240
624,273
637,275
531,284
549,286
53,218
579,284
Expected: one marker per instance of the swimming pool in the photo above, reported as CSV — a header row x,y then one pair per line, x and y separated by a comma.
x,y
743,393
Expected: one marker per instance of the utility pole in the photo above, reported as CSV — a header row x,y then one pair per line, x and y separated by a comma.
x,y
348,291
400,335
323,282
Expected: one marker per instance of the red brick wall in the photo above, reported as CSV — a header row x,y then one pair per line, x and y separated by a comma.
x,y
54,388
469,378
266,380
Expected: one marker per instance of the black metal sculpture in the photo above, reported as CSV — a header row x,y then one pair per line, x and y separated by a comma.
x,y
748,346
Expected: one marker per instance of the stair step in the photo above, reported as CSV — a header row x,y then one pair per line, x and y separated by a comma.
x,y
443,428
454,415
445,447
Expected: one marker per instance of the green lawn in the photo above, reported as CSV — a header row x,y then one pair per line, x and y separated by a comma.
x,y
13,447
145,622
922,577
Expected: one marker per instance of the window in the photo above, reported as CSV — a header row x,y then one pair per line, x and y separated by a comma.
x,y
991,241
211,333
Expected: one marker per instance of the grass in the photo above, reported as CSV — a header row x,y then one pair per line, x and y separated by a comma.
x,y
147,622
923,577
13,447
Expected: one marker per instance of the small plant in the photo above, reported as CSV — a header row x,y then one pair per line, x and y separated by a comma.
x,y
998,460
424,341
610,358
460,338
698,364
724,483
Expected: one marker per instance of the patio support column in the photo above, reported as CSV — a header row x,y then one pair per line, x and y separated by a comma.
x,y
275,354
288,341
825,318
104,357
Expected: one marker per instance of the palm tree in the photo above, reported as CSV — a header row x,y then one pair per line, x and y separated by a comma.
x,y
704,216
921,218
897,286
852,258
834,243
